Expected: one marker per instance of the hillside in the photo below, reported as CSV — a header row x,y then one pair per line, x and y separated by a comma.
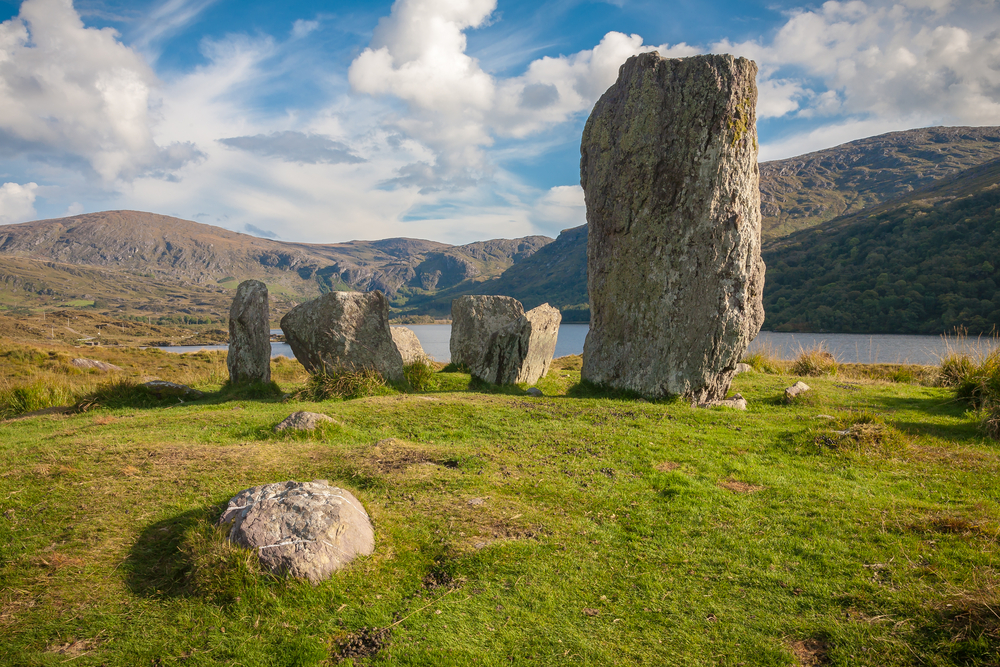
x,y
145,254
920,265
804,191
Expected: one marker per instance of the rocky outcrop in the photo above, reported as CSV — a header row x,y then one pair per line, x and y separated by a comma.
x,y
473,321
249,357
408,345
669,171
303,421
344,331
522,350
306,530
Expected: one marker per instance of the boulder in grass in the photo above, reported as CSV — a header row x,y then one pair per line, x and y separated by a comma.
x,y
307,530
473,320
94,364
669,172
164,389
303,421
344,331
408,345
522,350
796,390
249,357
743,368
736,402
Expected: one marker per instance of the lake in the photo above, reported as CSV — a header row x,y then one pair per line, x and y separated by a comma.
x,y
847,348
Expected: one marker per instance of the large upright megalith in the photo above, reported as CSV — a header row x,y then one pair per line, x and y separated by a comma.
x,y
344,332
669,172
249,357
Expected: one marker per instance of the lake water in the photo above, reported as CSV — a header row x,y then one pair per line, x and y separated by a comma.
x,y
847,348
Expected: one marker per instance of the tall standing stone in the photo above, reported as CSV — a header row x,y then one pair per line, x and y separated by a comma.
x,y
344,331
249,357
473,321
669,172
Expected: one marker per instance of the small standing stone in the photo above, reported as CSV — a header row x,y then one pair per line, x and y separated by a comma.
x,y
249,357
522,350
408,345
473,321
307,530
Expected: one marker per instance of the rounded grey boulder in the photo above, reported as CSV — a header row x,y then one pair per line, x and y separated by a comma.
x,y
344,331
669,172
408,345
305,529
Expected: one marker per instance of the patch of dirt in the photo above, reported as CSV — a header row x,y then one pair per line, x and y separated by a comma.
x,y
363,643
810,652
56,561
74,648
667,466
393,455
737,486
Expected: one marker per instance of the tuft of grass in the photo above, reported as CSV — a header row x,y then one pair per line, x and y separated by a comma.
x,y
344,384
35,395
764,359
972,371
217,569
864,433
254,390
116,393
419,375
814,362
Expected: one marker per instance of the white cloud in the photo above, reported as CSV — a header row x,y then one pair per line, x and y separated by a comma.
x,y
76,208
301,28
17,202
561,207
77,93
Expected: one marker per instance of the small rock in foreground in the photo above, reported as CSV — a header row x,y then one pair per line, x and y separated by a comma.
x,y
735,402
797,389
305,529
534,391
87,364
164,389
303,421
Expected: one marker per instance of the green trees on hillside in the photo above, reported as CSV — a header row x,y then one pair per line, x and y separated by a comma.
x,y
923,268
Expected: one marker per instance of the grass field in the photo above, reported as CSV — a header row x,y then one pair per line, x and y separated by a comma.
x,y
857,526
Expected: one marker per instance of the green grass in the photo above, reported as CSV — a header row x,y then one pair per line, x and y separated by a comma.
x,y
613,531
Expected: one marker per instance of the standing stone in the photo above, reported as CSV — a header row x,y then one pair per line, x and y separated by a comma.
x,y
307,530
669,172
522,350
249,357
408,345
473,321
344,331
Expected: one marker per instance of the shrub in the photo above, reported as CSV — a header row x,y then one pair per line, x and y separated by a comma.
x,y
343,384
764,359
953,369
117,393
419,375
815,361
37,395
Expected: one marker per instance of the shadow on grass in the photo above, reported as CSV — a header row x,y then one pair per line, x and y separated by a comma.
x,y
953,408
156,566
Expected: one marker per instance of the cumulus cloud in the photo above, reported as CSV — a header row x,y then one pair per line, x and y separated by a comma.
x,y
295,147
75,93
561,207
17,202
301,28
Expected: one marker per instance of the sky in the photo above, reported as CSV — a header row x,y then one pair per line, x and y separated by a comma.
x,y
449,120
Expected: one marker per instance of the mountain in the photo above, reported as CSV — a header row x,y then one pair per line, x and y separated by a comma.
x,y
154,253
804,191
922,264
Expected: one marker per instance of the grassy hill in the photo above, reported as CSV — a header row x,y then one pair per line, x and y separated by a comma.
x,y
922,264
577,528
801,192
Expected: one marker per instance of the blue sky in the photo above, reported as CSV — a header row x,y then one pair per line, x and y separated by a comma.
x,y
452,120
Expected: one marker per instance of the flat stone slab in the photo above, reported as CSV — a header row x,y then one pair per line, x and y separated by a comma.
x,y
164,389
307,530
736,402
88,364
796,390
303,421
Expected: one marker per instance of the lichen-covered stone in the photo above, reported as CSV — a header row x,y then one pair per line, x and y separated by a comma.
x,y
344,331
164,389
249,357
303,421
522,350
408,345
473,321
736,402
95,364
305,529
669,171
